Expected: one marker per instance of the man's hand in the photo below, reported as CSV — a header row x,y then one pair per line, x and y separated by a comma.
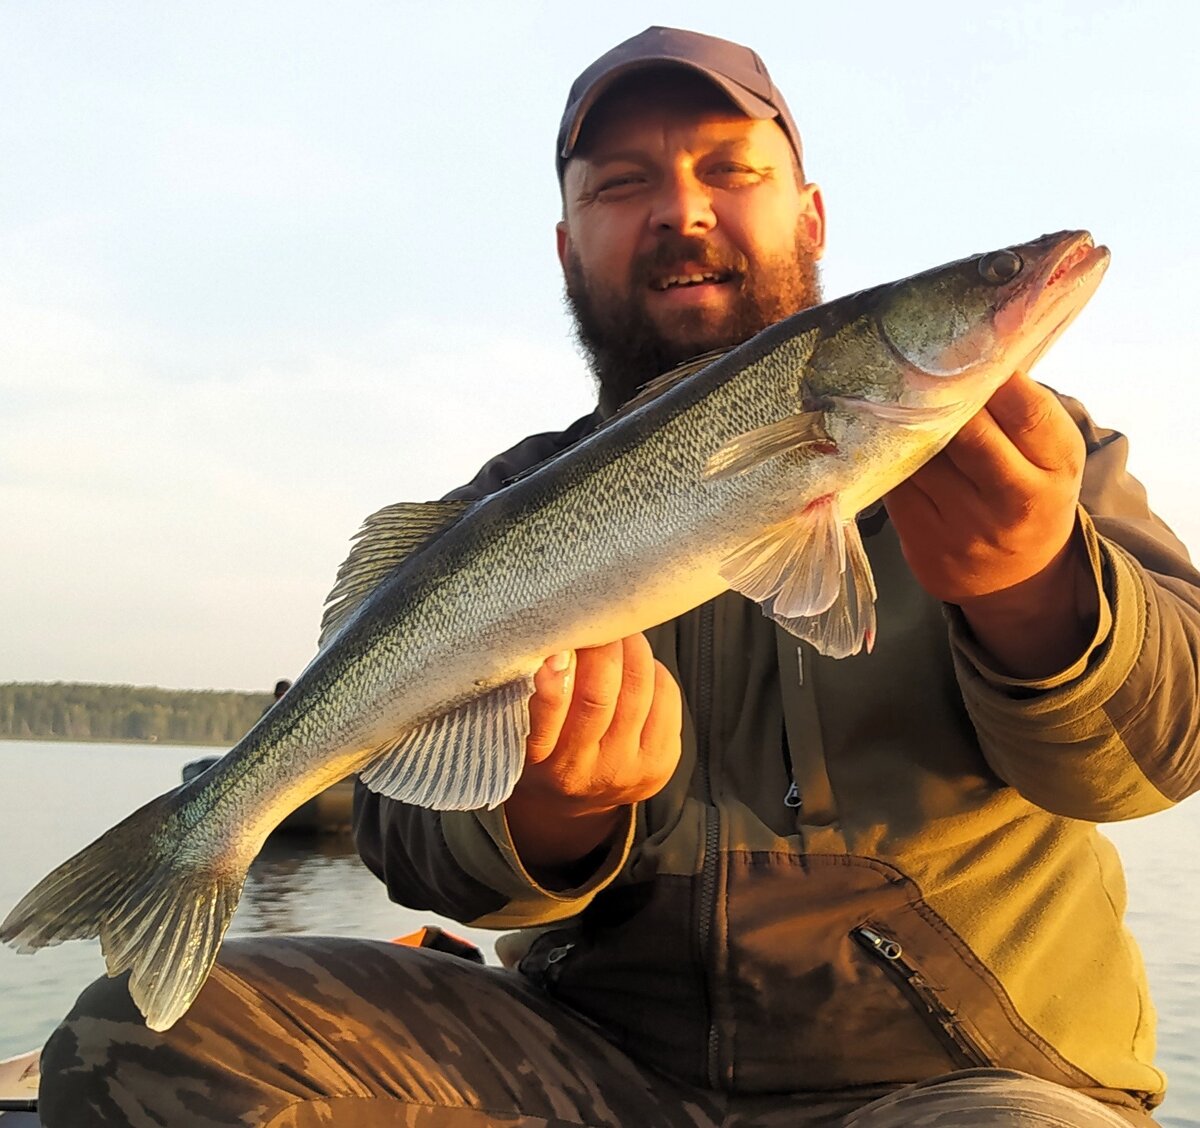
x,y
605,728
990,525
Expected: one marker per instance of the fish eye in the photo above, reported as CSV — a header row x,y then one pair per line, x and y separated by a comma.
x,y
1000,267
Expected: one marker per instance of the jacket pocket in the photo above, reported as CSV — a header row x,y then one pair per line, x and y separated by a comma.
x,y
944,1022
836,973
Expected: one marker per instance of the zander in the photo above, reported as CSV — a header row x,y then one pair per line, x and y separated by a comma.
x,y
743,470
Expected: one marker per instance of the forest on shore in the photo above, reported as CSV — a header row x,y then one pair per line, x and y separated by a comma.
x,y
80,711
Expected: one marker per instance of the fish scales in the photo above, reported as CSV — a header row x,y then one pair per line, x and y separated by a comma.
x,y
745,470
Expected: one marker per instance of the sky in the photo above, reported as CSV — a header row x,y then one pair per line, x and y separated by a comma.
x,y
266,268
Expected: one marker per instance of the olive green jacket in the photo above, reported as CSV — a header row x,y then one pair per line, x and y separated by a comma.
x,y
868,871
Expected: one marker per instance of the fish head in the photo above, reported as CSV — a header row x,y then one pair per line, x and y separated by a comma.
x,y
972,323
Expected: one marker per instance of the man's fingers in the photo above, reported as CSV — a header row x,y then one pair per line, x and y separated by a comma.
x,y
1037,425
909,507
662,732
599,671
637,688
548,706
984,456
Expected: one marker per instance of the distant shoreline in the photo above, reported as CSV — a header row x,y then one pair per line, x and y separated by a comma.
x,y
107,740
97,713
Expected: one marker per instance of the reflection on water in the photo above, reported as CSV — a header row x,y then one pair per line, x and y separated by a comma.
x,y
297,879
317,884
61,796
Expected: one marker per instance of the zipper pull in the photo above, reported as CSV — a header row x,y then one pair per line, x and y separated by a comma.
x,y
885,946
792,798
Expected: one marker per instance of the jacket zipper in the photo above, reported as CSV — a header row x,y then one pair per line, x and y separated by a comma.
x,y
943,1021
791,797
712,834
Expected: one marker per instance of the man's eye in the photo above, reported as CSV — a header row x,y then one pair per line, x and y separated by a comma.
x,y
620,181
734,175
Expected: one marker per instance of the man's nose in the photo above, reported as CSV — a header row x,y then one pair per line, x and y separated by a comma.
x,y
682,204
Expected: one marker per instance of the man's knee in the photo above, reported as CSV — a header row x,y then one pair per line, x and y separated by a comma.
x,y
77,1060
987,1098
103,1003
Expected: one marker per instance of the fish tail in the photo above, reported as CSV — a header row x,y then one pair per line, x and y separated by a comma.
x,y
158,905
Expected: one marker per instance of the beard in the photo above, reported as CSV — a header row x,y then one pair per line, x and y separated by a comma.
x,y
625,348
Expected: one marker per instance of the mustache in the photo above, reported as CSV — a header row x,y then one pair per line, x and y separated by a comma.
x,y
673,249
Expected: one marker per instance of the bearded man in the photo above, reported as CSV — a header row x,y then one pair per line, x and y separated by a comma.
x,y
750,885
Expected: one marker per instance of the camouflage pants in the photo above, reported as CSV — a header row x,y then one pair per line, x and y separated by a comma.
x,y
293,1032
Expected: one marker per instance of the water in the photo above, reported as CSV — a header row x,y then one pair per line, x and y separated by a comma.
x,y
61,796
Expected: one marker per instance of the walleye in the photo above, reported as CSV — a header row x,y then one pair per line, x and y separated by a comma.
x,y
744,470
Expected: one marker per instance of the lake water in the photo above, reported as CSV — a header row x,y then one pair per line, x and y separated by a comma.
x,y
61,796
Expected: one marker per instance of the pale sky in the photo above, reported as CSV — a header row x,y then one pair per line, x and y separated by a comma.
x,y
265,268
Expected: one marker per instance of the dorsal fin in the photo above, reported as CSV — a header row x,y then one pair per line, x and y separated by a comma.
x,y
652,389
385,539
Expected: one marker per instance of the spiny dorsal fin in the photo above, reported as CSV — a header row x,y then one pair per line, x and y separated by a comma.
x,y
803,433
385,539
652,389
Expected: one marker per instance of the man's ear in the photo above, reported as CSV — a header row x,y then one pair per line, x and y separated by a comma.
x,y
813,218
564,242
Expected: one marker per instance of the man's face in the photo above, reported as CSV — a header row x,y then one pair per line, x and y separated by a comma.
x,y
685,229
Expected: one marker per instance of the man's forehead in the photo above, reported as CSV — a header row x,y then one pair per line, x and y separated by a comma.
x,y
697,133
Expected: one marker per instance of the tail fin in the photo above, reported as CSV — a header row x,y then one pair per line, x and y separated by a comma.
x,y
159,905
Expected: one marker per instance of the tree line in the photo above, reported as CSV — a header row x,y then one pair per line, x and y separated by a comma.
x,y
79,711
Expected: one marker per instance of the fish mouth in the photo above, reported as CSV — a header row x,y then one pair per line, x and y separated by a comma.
x,y
1078,262
1062,286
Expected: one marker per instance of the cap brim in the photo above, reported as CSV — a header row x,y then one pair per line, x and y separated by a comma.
x,y
750,104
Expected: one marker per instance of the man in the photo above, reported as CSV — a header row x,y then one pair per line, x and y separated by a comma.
x,y
281,687
753,886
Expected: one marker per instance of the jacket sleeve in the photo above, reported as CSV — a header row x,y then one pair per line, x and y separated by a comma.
x,y
462,864
1117,734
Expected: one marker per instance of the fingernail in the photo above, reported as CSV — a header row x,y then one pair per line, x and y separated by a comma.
x,y
559,662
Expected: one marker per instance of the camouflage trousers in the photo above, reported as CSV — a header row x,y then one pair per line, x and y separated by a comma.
x,y
293,1032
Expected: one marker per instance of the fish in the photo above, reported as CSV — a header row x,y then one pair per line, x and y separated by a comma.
x,y
744,469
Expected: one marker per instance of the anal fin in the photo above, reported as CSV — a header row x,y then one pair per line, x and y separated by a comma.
x,y
462,760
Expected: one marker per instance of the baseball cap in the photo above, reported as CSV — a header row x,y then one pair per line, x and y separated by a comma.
x,y
737,70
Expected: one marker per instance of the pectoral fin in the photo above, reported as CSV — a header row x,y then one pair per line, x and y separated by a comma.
x,y
803,433
463,760
811,575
